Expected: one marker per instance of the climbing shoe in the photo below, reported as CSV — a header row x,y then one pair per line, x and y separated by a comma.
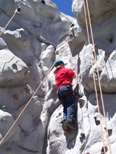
x,y
68,131
64,124
72,124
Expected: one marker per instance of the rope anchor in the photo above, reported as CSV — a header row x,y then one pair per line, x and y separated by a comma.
x,y
18,9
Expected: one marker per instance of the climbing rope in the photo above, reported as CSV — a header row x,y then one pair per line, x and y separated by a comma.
x,y
70,59
93,73
70,53
18,10
33,95
98,79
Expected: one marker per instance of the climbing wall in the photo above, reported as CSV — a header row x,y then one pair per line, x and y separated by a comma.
x,y
31,115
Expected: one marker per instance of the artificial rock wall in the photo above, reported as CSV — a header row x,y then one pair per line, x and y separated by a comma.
x,y
28,48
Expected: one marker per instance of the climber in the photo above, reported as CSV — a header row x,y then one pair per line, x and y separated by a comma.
x,y
63,79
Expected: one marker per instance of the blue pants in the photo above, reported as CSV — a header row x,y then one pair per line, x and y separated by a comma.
x,y
69,102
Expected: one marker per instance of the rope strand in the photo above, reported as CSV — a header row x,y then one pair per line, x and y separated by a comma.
x,y
9,21
99,80
93,74
70,54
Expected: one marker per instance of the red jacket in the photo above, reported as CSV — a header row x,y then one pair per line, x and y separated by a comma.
x,y
63,77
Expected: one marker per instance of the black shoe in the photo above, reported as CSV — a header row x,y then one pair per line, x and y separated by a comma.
x,y
72,124
64,124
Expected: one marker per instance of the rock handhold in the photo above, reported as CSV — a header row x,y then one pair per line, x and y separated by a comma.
x,y
9,151
106,56
24,42
29,65
81,102
4,108
97,121
27,90
109,131
59,114
26,135
26,73
109,39
15,97
102,150
43,1
82,136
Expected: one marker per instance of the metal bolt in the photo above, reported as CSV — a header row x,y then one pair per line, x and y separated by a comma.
x,y
4,108
9,151
26,135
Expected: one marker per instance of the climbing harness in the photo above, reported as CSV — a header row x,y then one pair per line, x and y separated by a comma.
x,y
98,78
33,94
17,11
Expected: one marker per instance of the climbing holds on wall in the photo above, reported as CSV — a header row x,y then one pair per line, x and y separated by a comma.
x,y
102,150
82,136
24,42
71,31
106,56
9,151
95,48
98,97
4,108
59,114
26,135
43,1
14,66
29,65
97,121
26,73
109,131
19,9
15,96
109,39
27,90
81,102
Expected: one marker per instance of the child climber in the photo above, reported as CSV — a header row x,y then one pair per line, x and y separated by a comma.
x,y
63,79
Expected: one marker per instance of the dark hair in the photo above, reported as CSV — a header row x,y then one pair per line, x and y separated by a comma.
x,y
57,68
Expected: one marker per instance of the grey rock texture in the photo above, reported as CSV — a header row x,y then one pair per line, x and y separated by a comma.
x,y
28,48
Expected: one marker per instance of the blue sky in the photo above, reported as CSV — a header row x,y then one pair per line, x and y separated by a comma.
x,y
64,6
